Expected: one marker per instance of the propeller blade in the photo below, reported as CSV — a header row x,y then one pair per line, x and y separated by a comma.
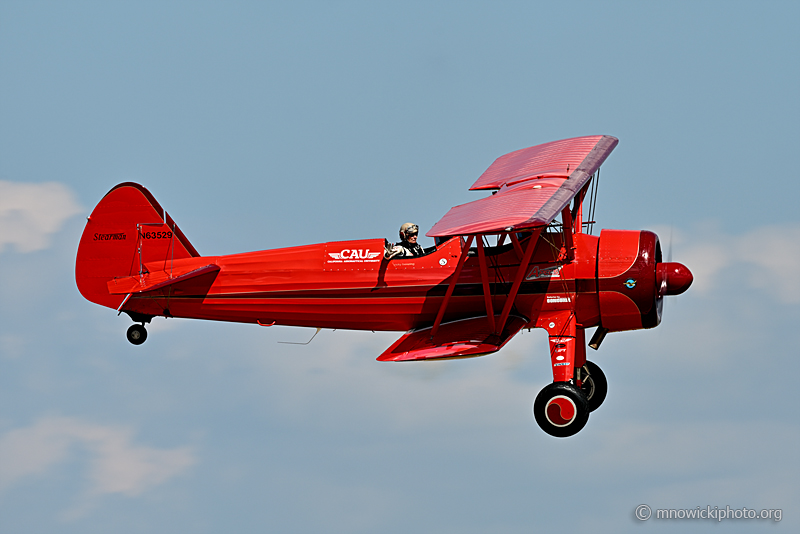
x,y
669,249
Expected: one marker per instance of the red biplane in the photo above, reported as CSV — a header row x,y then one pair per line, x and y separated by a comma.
x,y
465,297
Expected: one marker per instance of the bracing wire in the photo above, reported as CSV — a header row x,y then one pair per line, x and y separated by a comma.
x,y
592,209
589,218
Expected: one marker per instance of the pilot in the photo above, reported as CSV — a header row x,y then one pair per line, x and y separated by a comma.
x,y
408,246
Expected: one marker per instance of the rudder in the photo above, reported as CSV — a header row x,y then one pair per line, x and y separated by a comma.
x,y
127,229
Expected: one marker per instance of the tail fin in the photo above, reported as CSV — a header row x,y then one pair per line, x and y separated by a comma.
x,y
127,229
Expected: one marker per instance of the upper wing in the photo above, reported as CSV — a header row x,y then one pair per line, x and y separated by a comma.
x,y
534,184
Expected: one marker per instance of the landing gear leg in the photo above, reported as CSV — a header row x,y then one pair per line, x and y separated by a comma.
x,y
561,408
137,334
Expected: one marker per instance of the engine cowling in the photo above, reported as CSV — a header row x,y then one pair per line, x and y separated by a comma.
x,y
632,279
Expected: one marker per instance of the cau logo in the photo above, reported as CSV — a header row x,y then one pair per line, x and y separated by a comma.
x,y
354,255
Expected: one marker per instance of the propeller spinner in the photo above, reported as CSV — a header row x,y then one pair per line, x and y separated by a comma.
x,y
673,278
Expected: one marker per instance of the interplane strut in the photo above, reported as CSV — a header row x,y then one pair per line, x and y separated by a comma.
x,y
496,326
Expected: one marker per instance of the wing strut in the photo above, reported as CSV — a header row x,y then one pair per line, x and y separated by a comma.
x,y
523,268
566,226
487,295
517,246
495,327
452,286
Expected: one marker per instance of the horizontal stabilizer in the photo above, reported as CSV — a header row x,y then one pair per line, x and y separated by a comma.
x,y
465,338
196,282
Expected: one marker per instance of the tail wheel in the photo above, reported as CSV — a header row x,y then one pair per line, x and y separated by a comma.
x,y
593,384
561,409
137,334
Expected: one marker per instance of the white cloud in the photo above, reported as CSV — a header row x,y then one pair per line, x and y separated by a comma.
x,y
705,260
30,213
775,253
768,258
116,465
33,450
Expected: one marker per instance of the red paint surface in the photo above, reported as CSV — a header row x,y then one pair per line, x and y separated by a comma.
x,y
458,339
618,250
557,158
676,277
619,312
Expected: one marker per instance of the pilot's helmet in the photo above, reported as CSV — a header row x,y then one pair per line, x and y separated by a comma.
x,y
408,230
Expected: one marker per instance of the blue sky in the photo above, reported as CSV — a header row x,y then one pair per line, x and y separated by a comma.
x,y
262,125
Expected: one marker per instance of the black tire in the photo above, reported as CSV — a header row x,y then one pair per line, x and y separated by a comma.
x,y
593,385
561,409
137,334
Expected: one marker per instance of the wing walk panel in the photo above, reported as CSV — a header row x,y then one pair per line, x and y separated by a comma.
x,y
535,184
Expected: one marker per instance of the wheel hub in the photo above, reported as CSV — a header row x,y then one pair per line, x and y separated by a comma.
x,y
561,411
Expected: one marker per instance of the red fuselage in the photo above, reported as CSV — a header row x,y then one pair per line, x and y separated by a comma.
x,y
349,285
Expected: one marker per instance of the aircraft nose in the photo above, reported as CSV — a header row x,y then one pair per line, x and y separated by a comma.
x,y
676,277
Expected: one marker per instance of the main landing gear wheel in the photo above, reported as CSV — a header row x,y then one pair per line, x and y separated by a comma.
x,y
593,384
561,409
137,334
